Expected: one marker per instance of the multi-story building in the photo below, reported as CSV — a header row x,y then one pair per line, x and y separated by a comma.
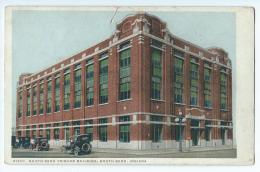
x,y
142,88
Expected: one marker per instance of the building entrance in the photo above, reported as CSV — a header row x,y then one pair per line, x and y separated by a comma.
x,y
195,132
223,135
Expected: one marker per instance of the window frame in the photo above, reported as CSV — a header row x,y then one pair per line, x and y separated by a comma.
x,y
124,129
156,129
66,98
194,82
77,87
102,130
90,82
124,72
178,72
156,74
49,97
57,94
103,79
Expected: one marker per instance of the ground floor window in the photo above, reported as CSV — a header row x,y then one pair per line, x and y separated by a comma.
x,y
34,134
103,130
156,129
89,129
48,134
156,132
223,136
76,125
67,134
223,132
66,131
76,131
41,133
208,133
19,134
27,133
56,134
124,129
207,130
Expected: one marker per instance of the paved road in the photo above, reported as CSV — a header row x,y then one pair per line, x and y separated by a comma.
x,y
230,153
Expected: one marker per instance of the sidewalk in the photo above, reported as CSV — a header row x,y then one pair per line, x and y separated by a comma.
x,y
159,151
138,152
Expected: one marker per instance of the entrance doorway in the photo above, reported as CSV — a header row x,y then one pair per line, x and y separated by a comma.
x,y
223,135
156,132
195,132
195,136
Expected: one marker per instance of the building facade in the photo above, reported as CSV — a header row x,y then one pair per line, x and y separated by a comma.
x,y
142,88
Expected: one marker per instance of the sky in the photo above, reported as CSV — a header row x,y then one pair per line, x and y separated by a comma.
x,y
42,38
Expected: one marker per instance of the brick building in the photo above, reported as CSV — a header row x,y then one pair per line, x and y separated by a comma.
x,y
142,88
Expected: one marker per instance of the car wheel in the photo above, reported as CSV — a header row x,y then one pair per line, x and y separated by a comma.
x,y
44,145
86,147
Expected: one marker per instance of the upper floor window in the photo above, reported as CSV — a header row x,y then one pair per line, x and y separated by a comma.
x,y
20,107
66,105
125,74
41,98
49,96
223,90
34,100
77,87
103,79
57,94
28,102
207,86
194,76
156,72
90,82
156,44
178,76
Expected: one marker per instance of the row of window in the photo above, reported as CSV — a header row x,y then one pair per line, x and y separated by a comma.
x,y
194,82
125,82
124,88
156,130
124,129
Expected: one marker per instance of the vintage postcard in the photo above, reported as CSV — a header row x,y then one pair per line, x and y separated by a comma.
x,y
129,85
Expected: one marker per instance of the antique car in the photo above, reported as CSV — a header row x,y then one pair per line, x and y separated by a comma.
x,y
23,142
78,145
40,143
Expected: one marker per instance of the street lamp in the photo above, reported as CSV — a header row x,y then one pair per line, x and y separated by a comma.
x,y
180,120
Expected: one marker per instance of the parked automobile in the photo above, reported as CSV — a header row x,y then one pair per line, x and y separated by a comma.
x,y
23,142
40,143
79,145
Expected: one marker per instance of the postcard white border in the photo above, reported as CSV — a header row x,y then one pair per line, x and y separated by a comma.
x,y
245,99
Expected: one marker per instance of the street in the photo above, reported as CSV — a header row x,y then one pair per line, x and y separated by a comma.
x,y
25,153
